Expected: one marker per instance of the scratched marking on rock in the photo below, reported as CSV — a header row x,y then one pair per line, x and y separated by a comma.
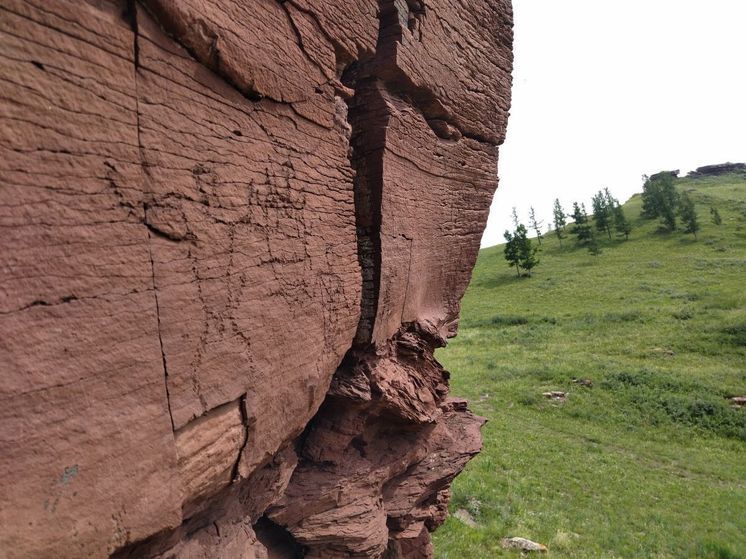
x,y
56,490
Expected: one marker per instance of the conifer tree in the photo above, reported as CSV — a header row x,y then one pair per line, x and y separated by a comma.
x,y
668,210
511,251
581,228
526,251
535,225
560,220
602,212
519,250
649,198
621,223
660,199
688,214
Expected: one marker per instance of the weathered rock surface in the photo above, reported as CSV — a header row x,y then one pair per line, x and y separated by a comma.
x,y
719,169
234,233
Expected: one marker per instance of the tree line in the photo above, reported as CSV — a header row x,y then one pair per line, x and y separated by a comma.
x,y
607,217
660,200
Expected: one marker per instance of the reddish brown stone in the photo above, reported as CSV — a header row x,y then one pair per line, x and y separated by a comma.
x,y
206,209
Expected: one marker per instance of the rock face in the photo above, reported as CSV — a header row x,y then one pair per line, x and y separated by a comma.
x,y
719,169
234,233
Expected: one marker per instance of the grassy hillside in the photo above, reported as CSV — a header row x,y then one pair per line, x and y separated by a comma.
x,y
651,460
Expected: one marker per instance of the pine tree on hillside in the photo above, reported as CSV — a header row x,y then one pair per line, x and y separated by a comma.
x,y
649,198
660,199
519,250
581,228
560,220
688,214
526,251
668,211
610,200
715,214
602,212
511,251
621,224
535,225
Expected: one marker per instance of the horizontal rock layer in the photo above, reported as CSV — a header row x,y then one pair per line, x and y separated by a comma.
x,y
234,234
719,169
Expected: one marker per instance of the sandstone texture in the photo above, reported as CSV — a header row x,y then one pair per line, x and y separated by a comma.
x,y
234,234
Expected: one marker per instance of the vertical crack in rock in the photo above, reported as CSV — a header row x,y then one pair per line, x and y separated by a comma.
x,y
408,278
158,318
235,475
367,122
131,15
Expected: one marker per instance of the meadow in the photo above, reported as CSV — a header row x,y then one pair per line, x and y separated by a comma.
x,y
648,459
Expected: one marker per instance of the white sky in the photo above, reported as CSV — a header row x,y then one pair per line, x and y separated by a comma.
x,y
605,92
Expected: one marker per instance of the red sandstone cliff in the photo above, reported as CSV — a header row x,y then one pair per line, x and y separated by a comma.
x,y
233,234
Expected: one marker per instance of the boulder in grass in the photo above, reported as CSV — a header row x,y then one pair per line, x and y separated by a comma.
x,y
465,517
588,383
522,544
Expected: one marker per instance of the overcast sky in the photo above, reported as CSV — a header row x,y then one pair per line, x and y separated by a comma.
x,y
605,92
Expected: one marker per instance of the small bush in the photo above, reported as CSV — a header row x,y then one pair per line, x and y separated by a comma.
x,y
735,334
662,398
508,320
530,398
684,314
712,550
625,316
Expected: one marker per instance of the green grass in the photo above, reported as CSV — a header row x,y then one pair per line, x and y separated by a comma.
x,y
651,460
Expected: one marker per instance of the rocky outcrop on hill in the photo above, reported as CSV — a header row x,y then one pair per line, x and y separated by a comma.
x,y
719,169
662,174
234,234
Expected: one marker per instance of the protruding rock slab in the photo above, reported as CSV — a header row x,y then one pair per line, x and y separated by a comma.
x,y
452,59
430,200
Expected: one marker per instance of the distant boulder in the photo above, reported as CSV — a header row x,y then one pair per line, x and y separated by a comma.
x,y
720,169
661,174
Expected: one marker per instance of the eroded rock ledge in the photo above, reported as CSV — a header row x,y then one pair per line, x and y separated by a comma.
x,y
234,233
